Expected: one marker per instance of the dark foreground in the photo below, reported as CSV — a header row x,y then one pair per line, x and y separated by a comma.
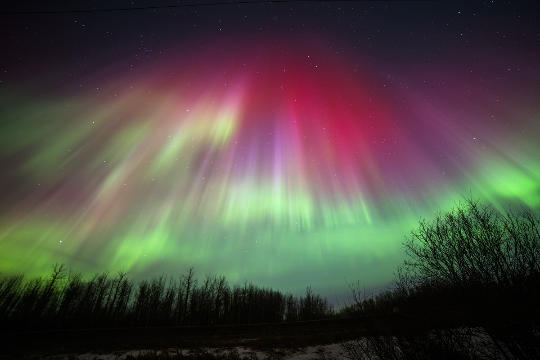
x,y
411,335
256,336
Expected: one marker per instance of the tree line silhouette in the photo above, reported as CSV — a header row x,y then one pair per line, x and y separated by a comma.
x,y
67,300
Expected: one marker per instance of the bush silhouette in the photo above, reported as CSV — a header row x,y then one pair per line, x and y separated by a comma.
x,y
475,243
472,267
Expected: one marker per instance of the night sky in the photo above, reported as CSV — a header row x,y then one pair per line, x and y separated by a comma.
x,y
285,144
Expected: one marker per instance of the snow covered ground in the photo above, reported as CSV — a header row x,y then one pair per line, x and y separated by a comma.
x,y
330,351
471,341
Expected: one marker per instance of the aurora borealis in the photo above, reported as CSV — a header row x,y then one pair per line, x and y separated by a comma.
x,y
285,156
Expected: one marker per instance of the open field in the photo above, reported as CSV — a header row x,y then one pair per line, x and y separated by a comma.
x,y
390,337
256,336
